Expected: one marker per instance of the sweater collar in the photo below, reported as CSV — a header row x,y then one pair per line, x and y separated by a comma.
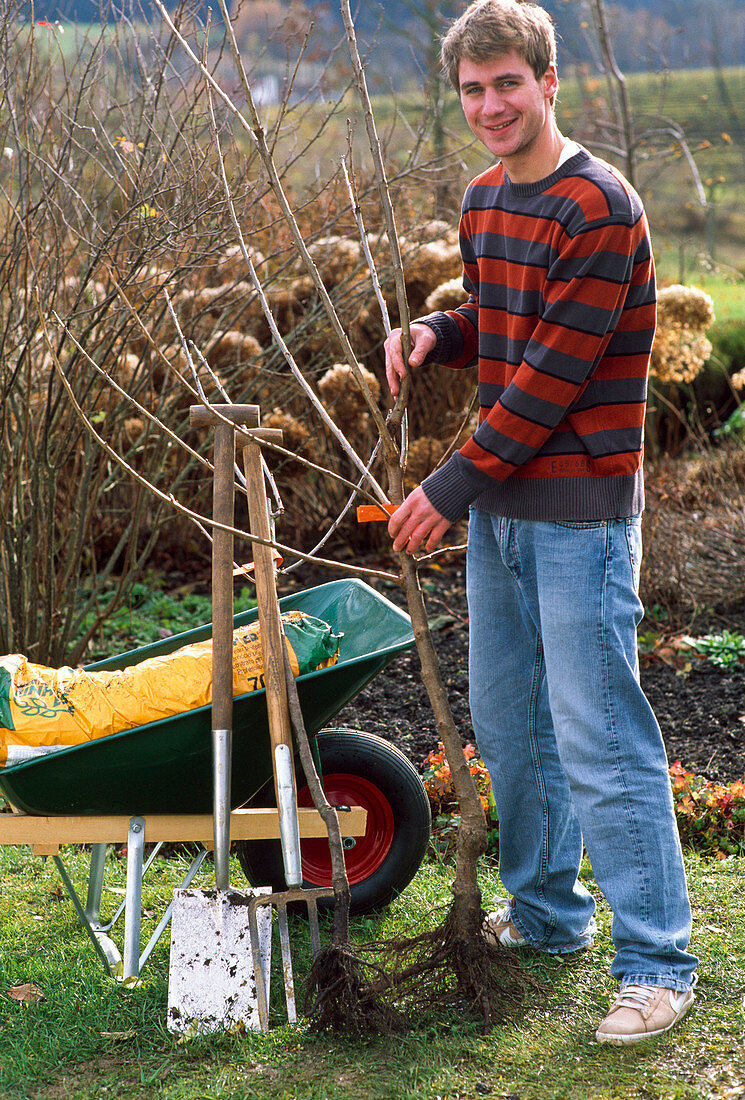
x,y
564,169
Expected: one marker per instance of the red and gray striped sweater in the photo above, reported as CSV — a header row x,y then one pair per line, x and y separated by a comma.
x,y
560,318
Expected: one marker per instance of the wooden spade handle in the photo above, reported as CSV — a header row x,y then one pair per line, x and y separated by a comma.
x,y
222,645
222,609
272,640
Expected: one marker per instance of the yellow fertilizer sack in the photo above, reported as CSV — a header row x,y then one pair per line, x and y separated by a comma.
x,y
43,709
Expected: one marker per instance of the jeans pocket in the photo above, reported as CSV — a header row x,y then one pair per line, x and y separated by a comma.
x,y
581,524
634,543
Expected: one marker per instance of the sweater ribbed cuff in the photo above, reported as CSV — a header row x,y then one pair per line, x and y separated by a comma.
x,y
449,491
449,344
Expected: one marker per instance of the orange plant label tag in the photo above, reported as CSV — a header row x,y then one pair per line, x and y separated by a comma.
x,y
370,513
246,570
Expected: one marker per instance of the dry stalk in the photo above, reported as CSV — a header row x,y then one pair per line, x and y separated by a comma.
x,y
170,499
386,203
357,211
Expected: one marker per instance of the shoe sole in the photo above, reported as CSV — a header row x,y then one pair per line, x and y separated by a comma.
x,y
638,1037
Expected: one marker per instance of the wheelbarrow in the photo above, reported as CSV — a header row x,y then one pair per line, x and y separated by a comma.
x,y
154,782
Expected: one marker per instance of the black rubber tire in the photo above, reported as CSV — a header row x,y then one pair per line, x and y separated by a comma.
x,y
399,815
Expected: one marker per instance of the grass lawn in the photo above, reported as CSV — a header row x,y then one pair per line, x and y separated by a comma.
x,y
728,296
89,1037
727,293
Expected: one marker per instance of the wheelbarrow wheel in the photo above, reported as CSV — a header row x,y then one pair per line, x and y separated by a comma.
x,y
359,769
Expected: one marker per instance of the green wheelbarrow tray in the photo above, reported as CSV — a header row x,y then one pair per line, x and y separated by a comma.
x,y
166,766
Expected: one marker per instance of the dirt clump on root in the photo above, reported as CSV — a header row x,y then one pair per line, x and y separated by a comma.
x,y
343,995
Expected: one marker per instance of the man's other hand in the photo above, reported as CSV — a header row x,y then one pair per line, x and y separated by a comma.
x,y
414,521
423,341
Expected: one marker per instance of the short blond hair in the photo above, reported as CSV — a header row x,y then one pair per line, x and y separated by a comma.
x,y
492,28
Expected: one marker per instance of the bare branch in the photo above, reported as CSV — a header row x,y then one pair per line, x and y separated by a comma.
x,y
366,247
253,127
170,499
387,207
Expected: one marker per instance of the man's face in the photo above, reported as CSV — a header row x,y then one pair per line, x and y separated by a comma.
x,y
508,109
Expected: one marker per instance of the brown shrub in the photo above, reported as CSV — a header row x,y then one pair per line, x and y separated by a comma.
x,y
232,349
344,399
447,295
423,457
337,258
427,264
694,534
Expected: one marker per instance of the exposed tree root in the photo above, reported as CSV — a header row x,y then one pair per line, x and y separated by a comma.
x,y
385,987
445,967
345,995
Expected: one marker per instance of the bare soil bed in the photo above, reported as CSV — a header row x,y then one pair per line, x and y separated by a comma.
x,y
700,707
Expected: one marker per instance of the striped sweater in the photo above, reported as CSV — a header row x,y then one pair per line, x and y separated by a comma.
x,y
560,318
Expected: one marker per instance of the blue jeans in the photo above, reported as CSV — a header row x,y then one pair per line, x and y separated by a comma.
x,y
572,745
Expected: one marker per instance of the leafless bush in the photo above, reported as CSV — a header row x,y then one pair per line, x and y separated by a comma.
x,y
694,534
106,200
120,270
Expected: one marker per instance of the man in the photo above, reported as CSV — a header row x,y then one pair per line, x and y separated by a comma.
x,y
560,318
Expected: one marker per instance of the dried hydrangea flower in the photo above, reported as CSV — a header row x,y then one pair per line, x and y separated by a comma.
x,y
681,349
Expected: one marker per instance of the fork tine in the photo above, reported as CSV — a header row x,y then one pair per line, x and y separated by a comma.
x,y
253,930
284,941
280,901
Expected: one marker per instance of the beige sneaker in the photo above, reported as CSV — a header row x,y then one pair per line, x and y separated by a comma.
x,y
498,928
642,1011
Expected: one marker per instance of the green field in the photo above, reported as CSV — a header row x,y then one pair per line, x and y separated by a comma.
x,y
705,107
728,295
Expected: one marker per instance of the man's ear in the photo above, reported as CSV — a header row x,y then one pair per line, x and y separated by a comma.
x,y
550,82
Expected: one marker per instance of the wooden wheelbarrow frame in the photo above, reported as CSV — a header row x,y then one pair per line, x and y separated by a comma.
x,y
48,835
153,784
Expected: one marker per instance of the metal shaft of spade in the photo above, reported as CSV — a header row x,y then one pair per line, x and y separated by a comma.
x,y
222,645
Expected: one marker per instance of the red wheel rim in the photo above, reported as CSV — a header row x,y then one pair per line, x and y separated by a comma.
x,y
370,850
